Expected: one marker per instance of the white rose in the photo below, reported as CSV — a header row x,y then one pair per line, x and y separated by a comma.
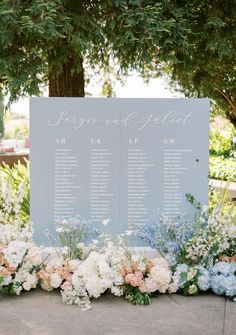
x,y
55,280
45,285
173,287
191,274
117,291
26,286
192,289
225,245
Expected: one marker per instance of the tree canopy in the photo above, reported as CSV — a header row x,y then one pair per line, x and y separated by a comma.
x,y
209,67
50,42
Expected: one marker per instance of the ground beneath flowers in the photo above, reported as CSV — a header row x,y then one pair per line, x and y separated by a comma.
x,y
42,313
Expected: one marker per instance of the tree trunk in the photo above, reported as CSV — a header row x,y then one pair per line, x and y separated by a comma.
x,y
231,111
232,117
1,116
69,80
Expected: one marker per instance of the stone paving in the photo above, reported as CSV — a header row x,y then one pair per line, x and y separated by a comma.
x,y
42,313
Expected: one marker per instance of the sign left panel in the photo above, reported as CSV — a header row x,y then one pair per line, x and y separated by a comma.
x,y
72,162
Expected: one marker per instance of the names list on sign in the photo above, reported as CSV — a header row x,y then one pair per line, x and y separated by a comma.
x,y
100,182
116,162
174,169
66,168
138,188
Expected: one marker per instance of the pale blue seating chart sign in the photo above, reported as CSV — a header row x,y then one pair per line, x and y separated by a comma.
x,y
116,162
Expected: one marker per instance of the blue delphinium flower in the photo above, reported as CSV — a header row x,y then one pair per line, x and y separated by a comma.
x,y
171,259
167,236
172,246
145,233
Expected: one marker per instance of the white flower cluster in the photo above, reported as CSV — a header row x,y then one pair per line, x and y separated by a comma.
x,y
89,279
14,252
19,258
94,274
11,232
11,202
160,277
211,241
117,256
18,263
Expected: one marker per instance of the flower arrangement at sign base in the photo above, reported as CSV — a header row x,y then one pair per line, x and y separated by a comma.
x,y
193,257
23,266
111,268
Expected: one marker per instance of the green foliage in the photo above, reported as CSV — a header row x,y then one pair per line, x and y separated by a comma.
x,y
11,289
222,144
222,168
222,199
190,198
223,155
16,126
21,132
190,286
135,296
72,232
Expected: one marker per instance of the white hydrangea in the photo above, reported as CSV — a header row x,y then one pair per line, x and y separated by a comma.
x,y
94,274
160,276
28,280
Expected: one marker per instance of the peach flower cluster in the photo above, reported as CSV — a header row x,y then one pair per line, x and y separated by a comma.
x,y
56,272
148,275
5,268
